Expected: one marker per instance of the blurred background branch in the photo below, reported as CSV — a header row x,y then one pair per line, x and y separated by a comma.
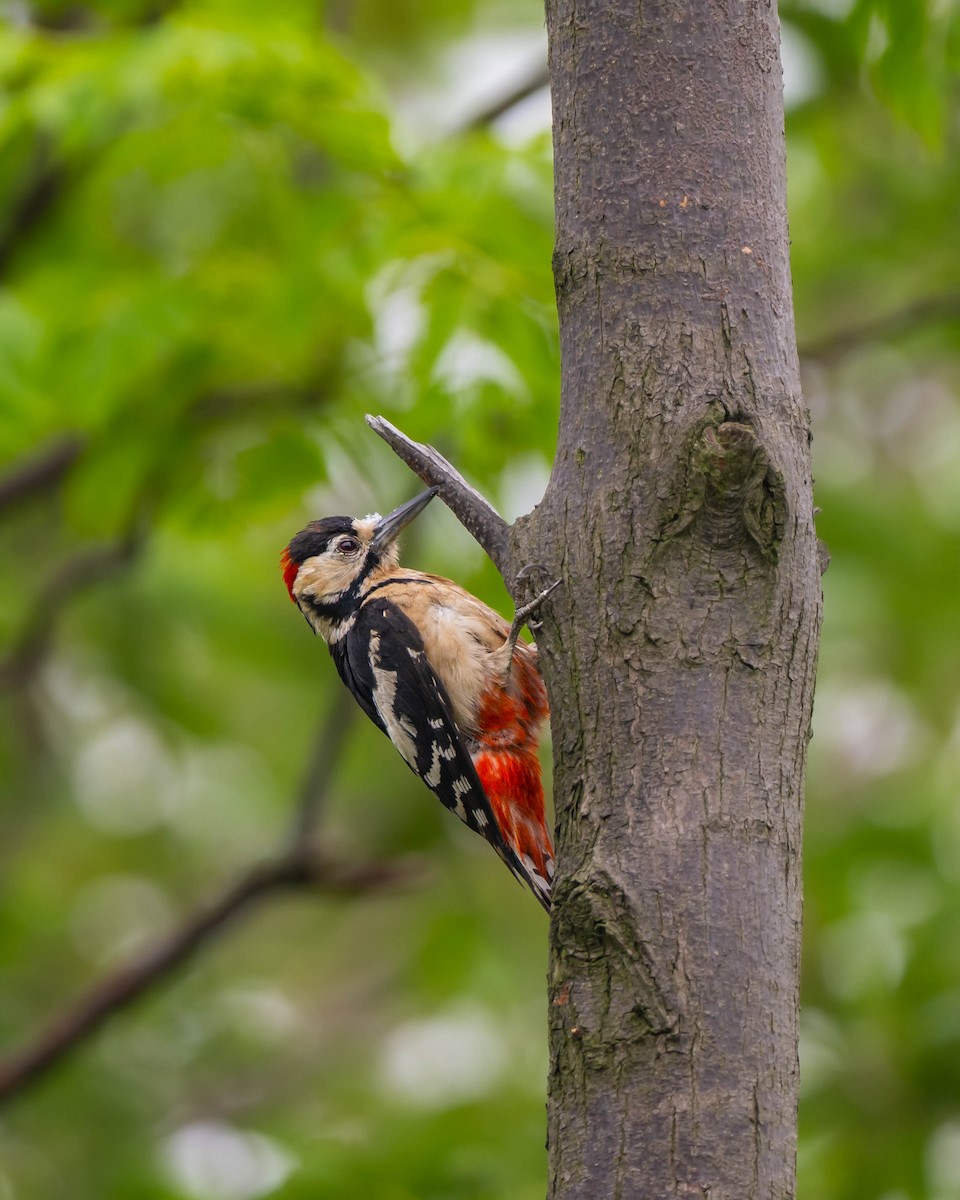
x,y
40,472
920,315
536,81
42,188
88,568
304,865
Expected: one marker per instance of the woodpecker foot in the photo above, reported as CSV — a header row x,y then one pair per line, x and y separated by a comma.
x,y
521,615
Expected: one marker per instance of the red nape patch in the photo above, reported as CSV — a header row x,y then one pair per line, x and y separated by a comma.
x,y
289,569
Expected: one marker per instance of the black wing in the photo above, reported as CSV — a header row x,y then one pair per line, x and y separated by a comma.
x,y
383,663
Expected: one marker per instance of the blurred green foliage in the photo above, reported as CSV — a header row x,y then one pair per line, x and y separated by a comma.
x,y
229,229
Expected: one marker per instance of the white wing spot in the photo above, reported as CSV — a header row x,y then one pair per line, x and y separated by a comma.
x,y
481,818
400,730
461,787
432,777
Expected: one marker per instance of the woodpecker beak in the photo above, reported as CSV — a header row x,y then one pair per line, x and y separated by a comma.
x,y
389,527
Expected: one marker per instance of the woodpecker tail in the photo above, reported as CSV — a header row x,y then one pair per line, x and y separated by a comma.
x,y
511,780
505,756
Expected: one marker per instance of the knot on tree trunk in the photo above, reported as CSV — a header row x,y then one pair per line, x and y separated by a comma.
x,y
616,994
730,491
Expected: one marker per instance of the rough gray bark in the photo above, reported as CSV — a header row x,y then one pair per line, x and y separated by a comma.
x,y
680,654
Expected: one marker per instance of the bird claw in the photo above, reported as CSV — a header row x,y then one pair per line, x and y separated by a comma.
x,y
520,617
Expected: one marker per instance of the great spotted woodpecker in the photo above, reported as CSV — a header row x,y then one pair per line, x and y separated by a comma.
x,y
441,674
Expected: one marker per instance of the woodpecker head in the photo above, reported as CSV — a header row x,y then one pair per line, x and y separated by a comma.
x,y
326,564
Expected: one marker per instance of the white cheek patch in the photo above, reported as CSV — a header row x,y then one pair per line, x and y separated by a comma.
x,y
326,578
316,579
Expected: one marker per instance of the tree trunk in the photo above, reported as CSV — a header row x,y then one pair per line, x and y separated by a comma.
x,y
680,653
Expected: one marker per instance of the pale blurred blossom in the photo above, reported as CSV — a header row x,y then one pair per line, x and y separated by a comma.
x,y
906,894
123,778
472,74
802,67
116,915
821,1050
395,300
213,1160
865,952
467,360
942,1162
223,798
261,1012
80,695
522,484
870,726
444,1060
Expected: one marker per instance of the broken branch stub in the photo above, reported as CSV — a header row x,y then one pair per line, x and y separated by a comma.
x,y
476,514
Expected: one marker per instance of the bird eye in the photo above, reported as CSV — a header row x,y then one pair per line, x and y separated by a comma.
x,y
348,545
